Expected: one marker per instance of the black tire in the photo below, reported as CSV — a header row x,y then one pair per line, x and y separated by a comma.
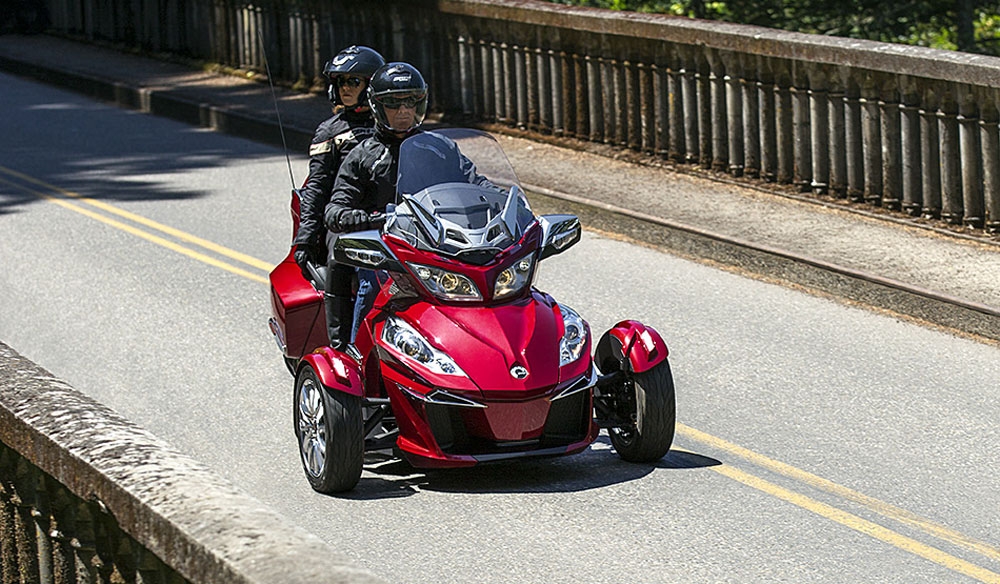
x,y
329,431
649,438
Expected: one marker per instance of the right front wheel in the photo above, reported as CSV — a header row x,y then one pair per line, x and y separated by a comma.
x,y
651,412
329,429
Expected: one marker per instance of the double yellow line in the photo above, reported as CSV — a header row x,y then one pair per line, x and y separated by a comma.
x,y
848,519
83,205
86,206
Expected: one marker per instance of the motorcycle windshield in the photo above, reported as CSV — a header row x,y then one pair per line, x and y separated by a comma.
x,y
458,195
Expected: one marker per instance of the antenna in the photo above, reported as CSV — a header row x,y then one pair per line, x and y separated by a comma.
x,y
274,96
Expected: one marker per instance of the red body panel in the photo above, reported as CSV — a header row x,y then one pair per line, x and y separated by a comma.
x,y
641,344
297,308
491,340
336,370
482,276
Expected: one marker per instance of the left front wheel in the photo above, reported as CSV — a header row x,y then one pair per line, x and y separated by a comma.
x,y
330,433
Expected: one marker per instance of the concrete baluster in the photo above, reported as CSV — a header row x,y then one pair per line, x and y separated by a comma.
x,y
951,161
630,97
42,516
647,118
871,139
489,111
621,111
466,86
930,152
838,133
909,111
784,127
892,168
801,128
520,83
719,128
579,103
676,106
990,139
751,117
531,87
545,94
658,72
559,98
704,96
736,154
633,101
501,75
88,563
972,183
608,97
767,121
62,524
819,127
854,139
9,570
25,533
689,100
595,98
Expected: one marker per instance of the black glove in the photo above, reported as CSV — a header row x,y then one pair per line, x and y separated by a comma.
x,y
303,254
354,220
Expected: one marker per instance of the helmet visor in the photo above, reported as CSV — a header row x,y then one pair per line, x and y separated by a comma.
x,y
396,101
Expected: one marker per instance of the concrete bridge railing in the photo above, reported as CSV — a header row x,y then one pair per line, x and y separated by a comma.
x,y
86,497
904,127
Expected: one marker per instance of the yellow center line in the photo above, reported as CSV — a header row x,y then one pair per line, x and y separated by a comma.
x,y
144,235
881,507
862,525
177,233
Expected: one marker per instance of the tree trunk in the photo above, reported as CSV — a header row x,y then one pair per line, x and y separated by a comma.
x,y
965,11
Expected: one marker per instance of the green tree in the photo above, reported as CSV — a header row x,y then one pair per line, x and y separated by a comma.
x,y
965,25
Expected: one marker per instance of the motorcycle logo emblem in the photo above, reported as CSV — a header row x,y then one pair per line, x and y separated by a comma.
x,y
518,372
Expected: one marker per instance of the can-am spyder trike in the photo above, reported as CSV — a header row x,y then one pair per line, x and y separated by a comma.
x,y
462,360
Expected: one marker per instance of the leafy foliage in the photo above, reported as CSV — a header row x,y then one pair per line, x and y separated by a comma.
x,y
967,25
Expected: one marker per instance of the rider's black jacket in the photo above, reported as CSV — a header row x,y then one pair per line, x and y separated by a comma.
x,y
367,177
333,140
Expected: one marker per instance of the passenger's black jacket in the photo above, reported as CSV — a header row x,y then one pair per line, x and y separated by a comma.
x,y
367,177
333,140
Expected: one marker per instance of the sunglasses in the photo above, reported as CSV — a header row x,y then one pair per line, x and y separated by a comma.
x,y
409,101
349,81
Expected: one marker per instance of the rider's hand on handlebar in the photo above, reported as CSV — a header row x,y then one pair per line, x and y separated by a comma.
x,y
303,255
354,220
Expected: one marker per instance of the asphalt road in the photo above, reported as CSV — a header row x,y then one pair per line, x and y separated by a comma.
x,y
817,441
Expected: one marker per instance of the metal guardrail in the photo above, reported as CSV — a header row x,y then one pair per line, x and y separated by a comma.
x,y
86,497
903,127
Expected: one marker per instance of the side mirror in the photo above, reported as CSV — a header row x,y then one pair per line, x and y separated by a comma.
x,y
365,249
559,233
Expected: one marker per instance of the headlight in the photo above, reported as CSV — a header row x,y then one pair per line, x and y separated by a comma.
x,y
511,280
445,284
574,336
405,339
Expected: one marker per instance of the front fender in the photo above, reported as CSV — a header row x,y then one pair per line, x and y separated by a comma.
x,y
335,370
630,346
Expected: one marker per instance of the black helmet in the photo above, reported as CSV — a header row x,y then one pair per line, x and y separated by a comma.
x,y
354,61
393,84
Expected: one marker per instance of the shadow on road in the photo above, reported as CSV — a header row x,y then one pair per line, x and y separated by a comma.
x,y
102,152
387,477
